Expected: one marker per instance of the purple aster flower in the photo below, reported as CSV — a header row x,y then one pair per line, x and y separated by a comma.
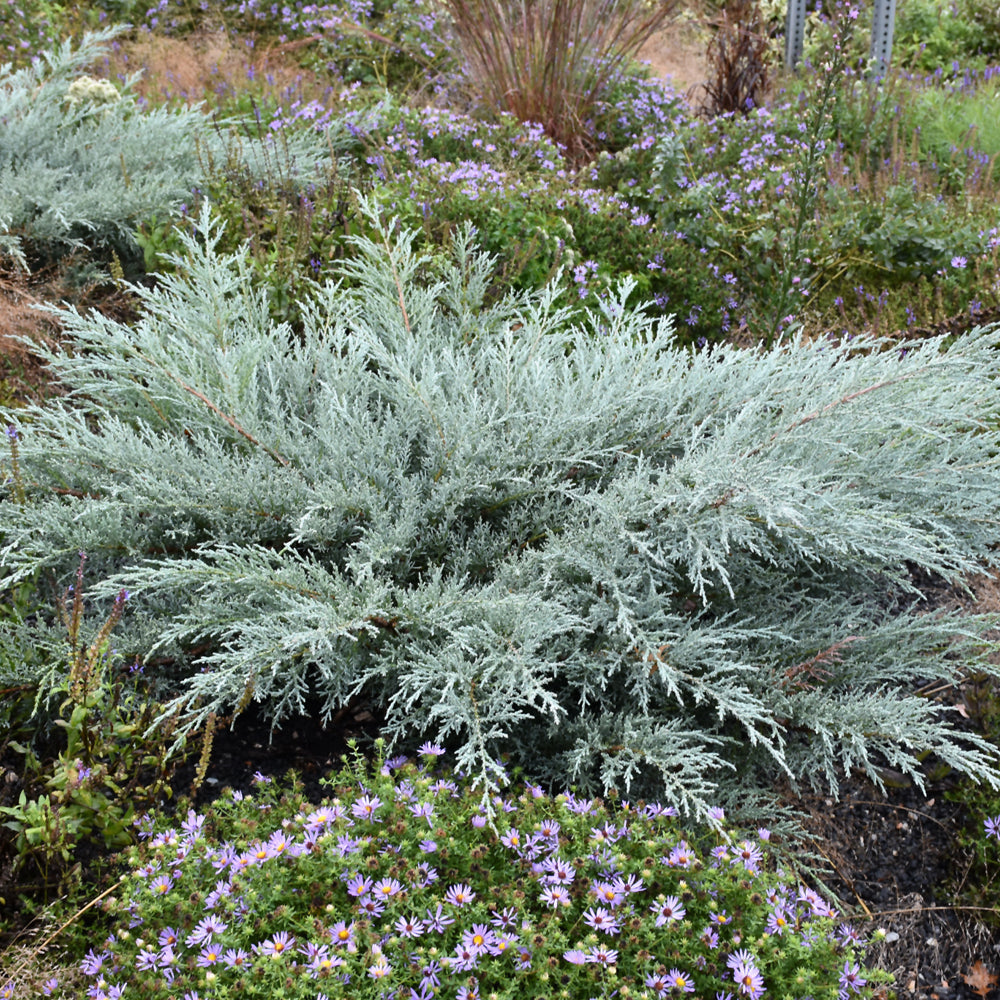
x,y
366,807
205,930
993,827
161,885
278,843
555,895
323,961
749,981
342,935
680,982
438,921
602,956
680,857
630,884
851,980
431,750
147,959
579,806
846,934
408,927
750,855
235,958
601,920
371,906
423,810
511,839
669,911
777,922
380,968
209,955
429,974
358,885
93,963
464,960
505,919
276,946
480,939
575,957
387,887
607,893
549,829
459,895
659,984
558,870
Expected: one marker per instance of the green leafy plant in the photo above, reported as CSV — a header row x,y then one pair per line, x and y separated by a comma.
x,y
929,36
399,882
28,27
108,765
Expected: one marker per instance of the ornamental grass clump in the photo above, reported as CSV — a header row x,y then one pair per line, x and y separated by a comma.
x,y
398,887
550,61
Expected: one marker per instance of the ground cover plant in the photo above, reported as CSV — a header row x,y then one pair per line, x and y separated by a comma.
x,y
689,566
398,886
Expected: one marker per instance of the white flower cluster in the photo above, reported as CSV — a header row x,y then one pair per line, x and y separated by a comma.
x,y
85,89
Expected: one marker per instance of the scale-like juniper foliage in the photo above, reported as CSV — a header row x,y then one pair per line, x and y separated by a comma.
x,y
81,163
625,564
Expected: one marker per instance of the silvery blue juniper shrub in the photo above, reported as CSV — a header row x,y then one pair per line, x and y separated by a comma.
x,y
520,529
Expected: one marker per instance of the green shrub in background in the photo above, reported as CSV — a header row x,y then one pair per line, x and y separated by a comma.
x,y
929,35
82,165
624,564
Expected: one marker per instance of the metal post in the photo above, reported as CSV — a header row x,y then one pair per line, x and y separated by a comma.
x,y
795,31
881,47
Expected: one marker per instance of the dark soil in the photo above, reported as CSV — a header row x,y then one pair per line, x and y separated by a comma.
x,y
893,861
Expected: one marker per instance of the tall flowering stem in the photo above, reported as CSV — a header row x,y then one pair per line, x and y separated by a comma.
x,y
15,466
817,131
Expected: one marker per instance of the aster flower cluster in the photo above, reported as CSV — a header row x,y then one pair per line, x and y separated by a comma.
x,y
408,885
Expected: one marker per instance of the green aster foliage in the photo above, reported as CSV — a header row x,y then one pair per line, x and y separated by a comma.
x,y
91,764
397,887
623,563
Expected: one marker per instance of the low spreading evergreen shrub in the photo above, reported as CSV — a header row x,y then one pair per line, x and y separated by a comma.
x,y
625,564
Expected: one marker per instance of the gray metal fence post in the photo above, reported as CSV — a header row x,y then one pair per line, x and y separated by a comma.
x,y
881,47
795,31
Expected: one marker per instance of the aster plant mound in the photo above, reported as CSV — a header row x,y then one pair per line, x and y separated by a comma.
x,y
397,887
519,528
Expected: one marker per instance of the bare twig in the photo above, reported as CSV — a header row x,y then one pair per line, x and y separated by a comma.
x,y
225,416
